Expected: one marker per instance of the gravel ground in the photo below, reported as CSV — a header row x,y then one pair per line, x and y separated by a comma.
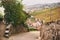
x,y
33,35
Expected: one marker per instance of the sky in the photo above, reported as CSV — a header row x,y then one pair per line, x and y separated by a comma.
x,y
32,2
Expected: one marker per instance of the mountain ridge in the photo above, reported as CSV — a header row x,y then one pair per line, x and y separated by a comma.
x,y
41,6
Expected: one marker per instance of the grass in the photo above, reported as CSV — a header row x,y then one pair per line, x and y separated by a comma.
x,y
32,29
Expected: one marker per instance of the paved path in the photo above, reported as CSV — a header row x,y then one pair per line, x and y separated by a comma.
x,y
33,35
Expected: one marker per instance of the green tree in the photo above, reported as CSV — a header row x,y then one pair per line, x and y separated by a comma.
x,y
14,12
1,17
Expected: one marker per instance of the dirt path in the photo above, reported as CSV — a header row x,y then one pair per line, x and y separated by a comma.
x,y
26,36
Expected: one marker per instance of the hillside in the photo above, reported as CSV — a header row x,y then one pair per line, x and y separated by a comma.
x,y
49,14
40,6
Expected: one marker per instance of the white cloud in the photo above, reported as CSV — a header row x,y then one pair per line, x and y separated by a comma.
x,y
31,2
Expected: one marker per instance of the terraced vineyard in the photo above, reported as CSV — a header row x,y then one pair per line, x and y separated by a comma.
x,y
48,14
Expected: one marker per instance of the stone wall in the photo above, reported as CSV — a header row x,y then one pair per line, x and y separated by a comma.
x,y
50,32
18,29
2,30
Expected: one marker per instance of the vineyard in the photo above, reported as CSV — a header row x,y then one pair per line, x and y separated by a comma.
x,y
48,14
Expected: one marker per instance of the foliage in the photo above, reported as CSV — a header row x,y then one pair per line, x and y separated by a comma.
x,y
1,17
32,29
14,12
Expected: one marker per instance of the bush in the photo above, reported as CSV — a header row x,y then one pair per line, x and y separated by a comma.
x,y
1,17
32,29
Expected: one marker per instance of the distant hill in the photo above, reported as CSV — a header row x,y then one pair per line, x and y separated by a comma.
x,y
41,6
48,15
47,12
